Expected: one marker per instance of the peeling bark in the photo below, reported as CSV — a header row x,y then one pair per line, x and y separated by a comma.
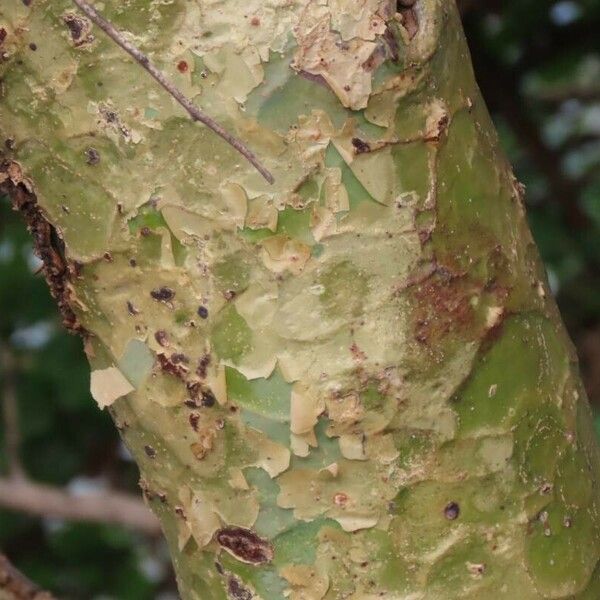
x,y
350,384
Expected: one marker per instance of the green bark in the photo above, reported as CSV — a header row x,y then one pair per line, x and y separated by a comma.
x,y
350,384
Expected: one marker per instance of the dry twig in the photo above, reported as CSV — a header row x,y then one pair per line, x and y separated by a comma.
x,y
101,507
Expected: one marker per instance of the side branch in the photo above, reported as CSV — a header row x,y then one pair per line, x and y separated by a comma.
x,y
15,586
100,507
190,107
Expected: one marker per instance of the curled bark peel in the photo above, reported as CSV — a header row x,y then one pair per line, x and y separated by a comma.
x,y
352,383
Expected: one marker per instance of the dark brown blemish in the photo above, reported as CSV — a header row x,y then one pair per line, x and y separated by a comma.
x,y
203,312
194,418
182,66
208,398
245,545
150,451
162,337
162,294
131,309
199,396
451,511
92,156
236,591
168,366
360,146
33,46
3,34
202,366
79,28
179,358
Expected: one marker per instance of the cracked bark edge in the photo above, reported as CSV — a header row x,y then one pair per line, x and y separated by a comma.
x,y
48,244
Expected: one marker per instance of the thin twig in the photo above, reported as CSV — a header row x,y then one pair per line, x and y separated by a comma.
x,y
12,435
190,107
100,507
15,586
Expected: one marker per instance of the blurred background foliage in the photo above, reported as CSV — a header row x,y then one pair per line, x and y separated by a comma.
x,y
538,64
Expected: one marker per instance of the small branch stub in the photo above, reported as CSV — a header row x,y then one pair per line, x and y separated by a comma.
x,y
195,113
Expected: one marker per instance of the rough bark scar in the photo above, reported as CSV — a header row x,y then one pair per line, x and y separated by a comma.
x,y
79,28
236,591
409,17
245,545
47,241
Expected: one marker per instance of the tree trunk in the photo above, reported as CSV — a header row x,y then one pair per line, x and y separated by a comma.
x,y
352,383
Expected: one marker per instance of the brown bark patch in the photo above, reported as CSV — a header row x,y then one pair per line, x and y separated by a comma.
x,y
245,545
236,591
442,305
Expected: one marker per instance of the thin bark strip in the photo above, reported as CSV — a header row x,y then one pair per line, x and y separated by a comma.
x,y
353,383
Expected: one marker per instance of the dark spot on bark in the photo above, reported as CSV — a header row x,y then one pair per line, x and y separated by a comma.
x,y
451,511
27,2
236,591
180,512
162,497
360,146
208,398
400,4
229,295
202,366
168,366
162,337
33,46
48,245
194,390
194,418
92,156
203,312
162,294
108,257
245,545
132,262
179,358
9,143
145,231
76,26
131,309
3,34
182,66
150,451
